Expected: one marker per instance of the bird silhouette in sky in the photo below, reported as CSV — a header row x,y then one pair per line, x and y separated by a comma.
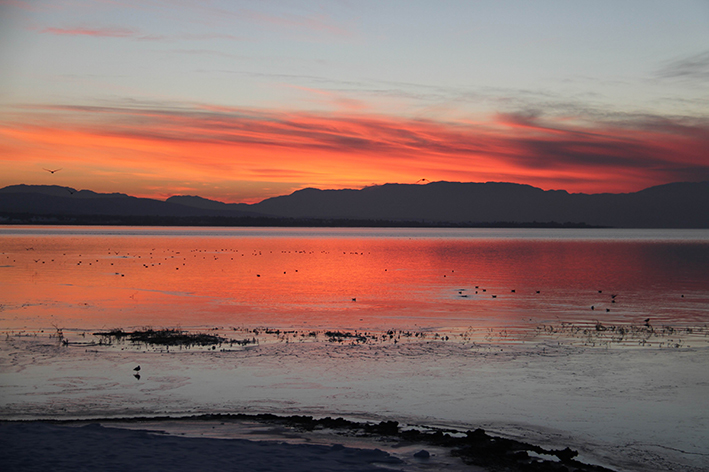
x,y
419,181
51,171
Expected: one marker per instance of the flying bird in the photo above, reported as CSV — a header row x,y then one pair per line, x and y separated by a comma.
x,y
51,171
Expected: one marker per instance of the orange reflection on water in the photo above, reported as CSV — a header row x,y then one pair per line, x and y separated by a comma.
x,y
341,280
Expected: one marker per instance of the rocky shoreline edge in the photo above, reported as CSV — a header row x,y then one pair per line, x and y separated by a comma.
x,y
476,448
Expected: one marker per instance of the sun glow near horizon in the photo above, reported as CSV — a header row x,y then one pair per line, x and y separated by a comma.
x,y
174,101
247,155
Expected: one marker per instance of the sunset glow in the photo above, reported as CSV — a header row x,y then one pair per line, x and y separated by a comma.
x,y
239,102
188,278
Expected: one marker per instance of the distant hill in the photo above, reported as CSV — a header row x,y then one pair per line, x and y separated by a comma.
x,y
676,205
50,200
206,204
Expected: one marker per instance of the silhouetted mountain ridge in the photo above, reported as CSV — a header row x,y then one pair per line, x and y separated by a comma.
x,y
206,204
675,205
50,200
58,191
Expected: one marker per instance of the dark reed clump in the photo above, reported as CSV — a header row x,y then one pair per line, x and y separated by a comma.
x,y
162,337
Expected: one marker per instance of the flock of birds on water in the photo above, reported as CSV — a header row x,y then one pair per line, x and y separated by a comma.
x,y
173,259
179,261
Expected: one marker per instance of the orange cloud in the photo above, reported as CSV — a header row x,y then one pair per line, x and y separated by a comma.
x,y
214,149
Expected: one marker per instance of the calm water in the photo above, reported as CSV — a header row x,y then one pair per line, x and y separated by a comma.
x,y
106,277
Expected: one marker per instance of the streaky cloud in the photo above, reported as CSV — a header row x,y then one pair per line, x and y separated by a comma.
x,y
97,32
117,32
525,146
694,67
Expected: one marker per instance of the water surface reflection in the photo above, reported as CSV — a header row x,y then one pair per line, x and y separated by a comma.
x,y
91,278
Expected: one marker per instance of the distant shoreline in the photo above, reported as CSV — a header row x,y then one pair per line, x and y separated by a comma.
x,y
12,219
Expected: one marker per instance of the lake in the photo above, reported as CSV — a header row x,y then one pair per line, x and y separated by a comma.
x,y
110,277
594,339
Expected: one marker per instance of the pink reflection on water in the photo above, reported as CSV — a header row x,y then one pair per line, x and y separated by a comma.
x,y
193,279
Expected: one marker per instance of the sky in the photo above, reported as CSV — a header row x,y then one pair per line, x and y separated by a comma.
x,y
242,100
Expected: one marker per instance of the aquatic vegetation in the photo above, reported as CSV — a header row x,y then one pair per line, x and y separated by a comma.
x,y
166,337
628,335
593,334
339,336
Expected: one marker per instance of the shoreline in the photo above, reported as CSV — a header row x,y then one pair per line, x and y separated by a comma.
x,y
589,333
542,394
405,447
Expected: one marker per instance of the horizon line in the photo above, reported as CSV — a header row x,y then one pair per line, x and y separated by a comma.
x,y
359,189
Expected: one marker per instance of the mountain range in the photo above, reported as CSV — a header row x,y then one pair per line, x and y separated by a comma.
x,y
675,205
